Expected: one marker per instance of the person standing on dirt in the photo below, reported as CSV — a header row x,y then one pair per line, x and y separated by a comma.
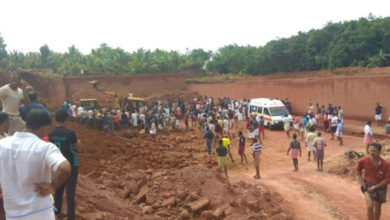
x,y
226,126
310,143
368,135
339,131
378,113
27,163
333,125
11,97
209,136
66,141
241,147
286,125
222,160
261,128
374,181
33,97
319,144
256,151
226,143
296,122
186,117
295,149
325,121
387,128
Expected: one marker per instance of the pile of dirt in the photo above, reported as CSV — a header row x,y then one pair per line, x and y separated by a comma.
x,y
386,149
342,166
135,176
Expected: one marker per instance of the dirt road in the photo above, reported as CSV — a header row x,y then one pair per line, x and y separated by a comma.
x,y
308,194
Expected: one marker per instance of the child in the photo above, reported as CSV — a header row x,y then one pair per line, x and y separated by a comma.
x,y
241,147
66,141
222,161
256,151
226,143
319,144
295,148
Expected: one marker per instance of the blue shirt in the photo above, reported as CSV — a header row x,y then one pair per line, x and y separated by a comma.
x,y
24,110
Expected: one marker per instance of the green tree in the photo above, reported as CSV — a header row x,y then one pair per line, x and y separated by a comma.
x,y
3,51
45,53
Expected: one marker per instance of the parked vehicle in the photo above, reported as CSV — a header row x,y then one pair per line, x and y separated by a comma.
x,y
272,110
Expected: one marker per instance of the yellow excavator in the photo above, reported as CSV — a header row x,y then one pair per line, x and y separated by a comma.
x,y
129,102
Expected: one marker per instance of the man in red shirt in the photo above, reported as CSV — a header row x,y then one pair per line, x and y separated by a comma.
x,y
374,181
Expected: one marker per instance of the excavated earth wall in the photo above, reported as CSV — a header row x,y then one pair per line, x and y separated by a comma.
x,y
357,90
357,94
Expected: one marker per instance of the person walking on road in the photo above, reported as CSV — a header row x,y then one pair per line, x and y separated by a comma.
x,y
368,135
374,181
310,143
319,144
295,149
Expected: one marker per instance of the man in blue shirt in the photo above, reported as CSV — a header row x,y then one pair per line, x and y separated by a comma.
x,y
24,110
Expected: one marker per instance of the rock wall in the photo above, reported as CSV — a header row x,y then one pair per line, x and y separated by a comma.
x,y
357,94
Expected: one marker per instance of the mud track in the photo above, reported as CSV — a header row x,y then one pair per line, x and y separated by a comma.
x,y
310,194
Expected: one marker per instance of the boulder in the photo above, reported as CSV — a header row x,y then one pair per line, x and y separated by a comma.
x,y
147,210
141,196
184,214
218,214
169,202
199,205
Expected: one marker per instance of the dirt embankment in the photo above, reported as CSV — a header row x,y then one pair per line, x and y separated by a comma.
x,y
167,177
357,90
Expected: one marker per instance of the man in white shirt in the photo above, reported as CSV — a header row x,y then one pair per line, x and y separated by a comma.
x,y
26,164
11,97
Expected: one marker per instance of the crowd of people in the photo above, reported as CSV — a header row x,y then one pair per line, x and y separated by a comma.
x,y
30,153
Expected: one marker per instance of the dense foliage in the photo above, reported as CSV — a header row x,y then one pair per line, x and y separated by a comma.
x,y
364,42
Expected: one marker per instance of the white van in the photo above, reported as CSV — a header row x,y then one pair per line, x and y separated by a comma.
x,y
272,110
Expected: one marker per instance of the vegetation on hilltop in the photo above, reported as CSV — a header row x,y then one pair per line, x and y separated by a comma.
x,y
364,42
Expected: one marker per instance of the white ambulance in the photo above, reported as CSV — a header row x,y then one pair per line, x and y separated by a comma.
x,y
272,110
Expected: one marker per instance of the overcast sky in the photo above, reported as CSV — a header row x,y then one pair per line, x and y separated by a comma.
x,y
26,25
